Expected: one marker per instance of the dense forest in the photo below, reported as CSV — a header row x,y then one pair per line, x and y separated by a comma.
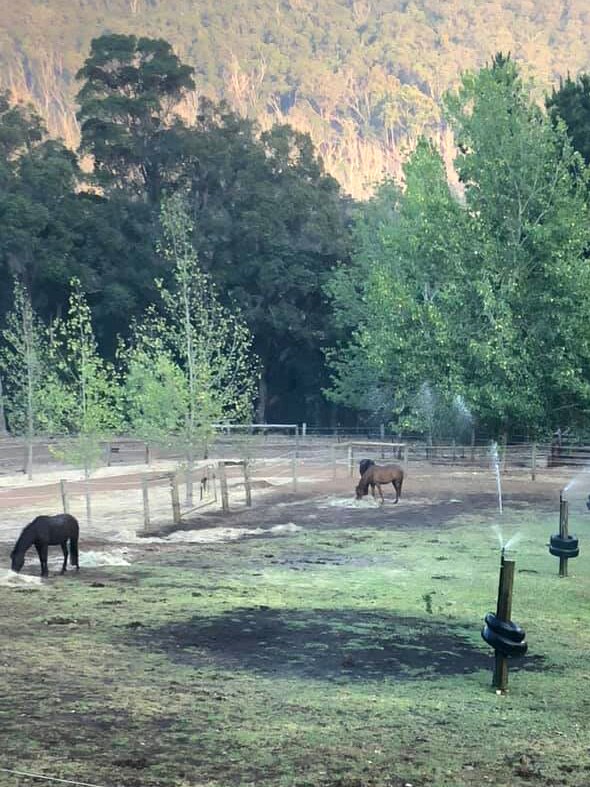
x,y
445,298
364,78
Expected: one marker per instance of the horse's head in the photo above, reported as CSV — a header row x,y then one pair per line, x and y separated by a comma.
x,y
359,492
17,560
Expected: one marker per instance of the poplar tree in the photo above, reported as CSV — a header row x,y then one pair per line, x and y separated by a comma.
x,y
192,366
84,395
24,371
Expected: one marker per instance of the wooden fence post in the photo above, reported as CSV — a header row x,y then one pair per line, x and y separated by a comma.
x,y
382,432
148,454
405,455
146,502
223,486
189,484
294,470
247,486
175,498
503,613
212,479
472,446
454,450
64,496
333,453
533,462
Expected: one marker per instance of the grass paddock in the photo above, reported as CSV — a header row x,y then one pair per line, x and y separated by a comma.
x,y
345,654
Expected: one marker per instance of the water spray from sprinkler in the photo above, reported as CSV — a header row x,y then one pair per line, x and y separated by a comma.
x,y
496,463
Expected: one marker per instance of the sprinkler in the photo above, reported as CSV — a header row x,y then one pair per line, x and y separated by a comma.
x,y
562,545
505,637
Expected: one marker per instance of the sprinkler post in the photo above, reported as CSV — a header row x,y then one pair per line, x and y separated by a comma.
x,y
506,638
563,531
503,612
562,544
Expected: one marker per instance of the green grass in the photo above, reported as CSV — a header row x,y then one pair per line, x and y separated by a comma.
x,y
254,664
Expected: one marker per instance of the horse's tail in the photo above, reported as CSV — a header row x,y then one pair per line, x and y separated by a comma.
x,y
74,552
401,481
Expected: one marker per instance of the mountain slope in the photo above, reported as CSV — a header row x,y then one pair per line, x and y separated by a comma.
x,y
364,77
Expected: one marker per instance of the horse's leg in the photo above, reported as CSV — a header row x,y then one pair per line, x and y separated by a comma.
x,y
64,549
396,487
373,491
381,493
42,551
74,553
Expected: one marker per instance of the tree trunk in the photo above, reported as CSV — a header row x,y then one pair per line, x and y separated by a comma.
x,y
3,427
87,494
262,399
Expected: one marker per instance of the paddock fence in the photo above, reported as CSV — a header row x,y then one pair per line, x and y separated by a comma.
x,y
143,489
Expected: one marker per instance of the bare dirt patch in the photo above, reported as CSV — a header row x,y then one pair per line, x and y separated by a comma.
x,y
328,644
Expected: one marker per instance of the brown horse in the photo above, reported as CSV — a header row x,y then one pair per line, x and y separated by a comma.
x,y
376,475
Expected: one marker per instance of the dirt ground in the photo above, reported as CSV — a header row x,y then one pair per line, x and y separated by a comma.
x,y
432,496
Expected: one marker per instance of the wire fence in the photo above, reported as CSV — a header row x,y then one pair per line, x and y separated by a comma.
x,y
267,442
143,489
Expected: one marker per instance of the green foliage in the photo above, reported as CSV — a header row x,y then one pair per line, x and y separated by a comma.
x,y
192,367
571,104
482,300
155,389
525,192
23,364
406,262
38,177
269,227
83,395
130,89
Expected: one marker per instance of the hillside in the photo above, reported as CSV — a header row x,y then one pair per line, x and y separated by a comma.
x,y
364,77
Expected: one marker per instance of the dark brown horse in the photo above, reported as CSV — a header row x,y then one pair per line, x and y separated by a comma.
x,y
376,475
44,531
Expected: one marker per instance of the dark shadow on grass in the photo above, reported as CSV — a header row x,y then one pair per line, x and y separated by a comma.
x,y
327,644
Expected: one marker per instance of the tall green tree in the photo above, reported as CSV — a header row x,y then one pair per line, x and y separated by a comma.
x,y
24,369
84,394
197,357
525,190
131,88
270,224
38,180
479,298
392,304
571,104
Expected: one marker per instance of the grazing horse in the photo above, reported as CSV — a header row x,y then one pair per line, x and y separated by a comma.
x,y
364,465
376,475
44,531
